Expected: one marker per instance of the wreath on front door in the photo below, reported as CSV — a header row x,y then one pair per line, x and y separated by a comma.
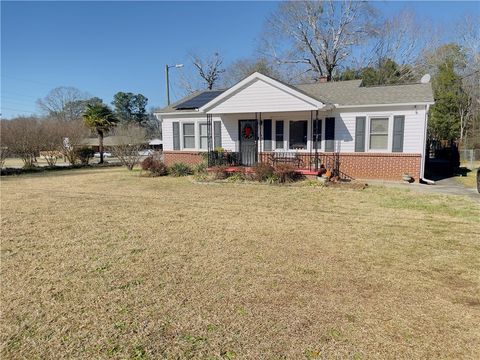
x,y
247,132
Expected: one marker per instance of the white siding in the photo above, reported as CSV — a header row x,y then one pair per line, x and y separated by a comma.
x,y
344,127
261,97
413,133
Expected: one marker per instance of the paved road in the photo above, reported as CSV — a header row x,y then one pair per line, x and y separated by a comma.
x,y
448,186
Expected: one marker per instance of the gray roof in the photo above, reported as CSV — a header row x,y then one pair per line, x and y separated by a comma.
x,y
349,93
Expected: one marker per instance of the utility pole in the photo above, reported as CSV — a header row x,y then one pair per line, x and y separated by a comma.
x,y
167,80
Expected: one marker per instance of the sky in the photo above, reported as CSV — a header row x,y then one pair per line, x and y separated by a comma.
x,y
105,47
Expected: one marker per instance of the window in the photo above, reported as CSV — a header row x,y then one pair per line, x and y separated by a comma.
x,y
279,134
298,134
203,136
379,134
189,136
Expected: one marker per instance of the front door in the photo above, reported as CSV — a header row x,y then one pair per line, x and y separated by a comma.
x,y
248,142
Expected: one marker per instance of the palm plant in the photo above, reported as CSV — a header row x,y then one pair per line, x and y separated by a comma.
x,y
100,119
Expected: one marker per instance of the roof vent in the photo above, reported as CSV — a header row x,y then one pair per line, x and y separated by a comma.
x,y
425,79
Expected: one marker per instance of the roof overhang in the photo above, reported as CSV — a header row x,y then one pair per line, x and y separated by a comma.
x,y
276,89
382,105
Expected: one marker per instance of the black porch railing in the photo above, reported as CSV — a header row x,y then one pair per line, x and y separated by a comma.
x,y
299,160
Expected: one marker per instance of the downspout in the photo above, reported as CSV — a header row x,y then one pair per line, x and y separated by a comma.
x,y
422,165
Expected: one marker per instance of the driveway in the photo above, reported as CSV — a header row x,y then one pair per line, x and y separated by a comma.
x,y
447,186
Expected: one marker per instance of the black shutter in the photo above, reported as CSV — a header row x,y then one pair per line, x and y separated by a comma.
x,y
329,134
267,135
176,135
398,130
217,134
360,133
317,133
279,134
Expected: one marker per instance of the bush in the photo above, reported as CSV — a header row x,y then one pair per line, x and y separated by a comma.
x,y
219,172
285,173
200,169
154,166
180,169
262,171
236,177
84,154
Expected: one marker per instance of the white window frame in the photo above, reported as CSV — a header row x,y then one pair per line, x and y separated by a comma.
x,y
194,135
200,136
389,132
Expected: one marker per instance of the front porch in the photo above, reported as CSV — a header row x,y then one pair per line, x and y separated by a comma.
x,y
305,163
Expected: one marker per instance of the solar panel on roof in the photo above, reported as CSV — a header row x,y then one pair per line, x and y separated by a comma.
x,y
199,100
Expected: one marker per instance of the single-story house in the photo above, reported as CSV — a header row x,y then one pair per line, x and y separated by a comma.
x,y
369,132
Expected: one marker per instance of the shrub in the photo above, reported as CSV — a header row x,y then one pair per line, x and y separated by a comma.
x,y
154,166
272,179
236,177
262,171
285,173
180,169
219,172
200,169
84,154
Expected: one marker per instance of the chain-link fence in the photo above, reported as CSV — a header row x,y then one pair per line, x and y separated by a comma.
x,y
470,158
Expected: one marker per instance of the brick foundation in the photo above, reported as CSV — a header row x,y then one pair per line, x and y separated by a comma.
x,y
190,158
383,166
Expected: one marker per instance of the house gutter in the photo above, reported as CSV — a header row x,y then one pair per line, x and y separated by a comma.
x,y
422,165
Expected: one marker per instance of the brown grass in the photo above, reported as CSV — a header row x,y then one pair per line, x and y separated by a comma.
x,y
103,264
470,180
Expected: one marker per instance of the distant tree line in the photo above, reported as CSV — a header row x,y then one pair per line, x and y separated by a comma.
x,y
70,116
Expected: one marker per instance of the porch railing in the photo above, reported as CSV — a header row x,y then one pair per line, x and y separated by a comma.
x,y
299,160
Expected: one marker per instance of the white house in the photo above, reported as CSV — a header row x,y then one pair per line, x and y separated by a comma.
x,y
370,132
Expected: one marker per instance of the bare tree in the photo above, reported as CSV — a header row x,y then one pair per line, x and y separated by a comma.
x,y
73,135
319,35
64,103
469,39
3,155
401,39
130,140
51,140
21,138
209,68
242,68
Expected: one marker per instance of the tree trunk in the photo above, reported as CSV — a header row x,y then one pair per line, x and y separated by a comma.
x,y
100,145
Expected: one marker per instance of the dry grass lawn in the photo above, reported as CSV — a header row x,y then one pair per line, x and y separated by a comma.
x,y
103,263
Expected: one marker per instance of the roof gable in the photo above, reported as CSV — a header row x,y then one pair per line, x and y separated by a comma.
x,y
260,93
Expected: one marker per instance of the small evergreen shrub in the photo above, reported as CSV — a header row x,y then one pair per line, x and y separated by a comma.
x,y
262,171
272,179
180,169
154,166
84,154
200,169
236,177
285,173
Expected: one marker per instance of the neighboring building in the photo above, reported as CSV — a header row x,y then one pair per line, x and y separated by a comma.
x,y
373,132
